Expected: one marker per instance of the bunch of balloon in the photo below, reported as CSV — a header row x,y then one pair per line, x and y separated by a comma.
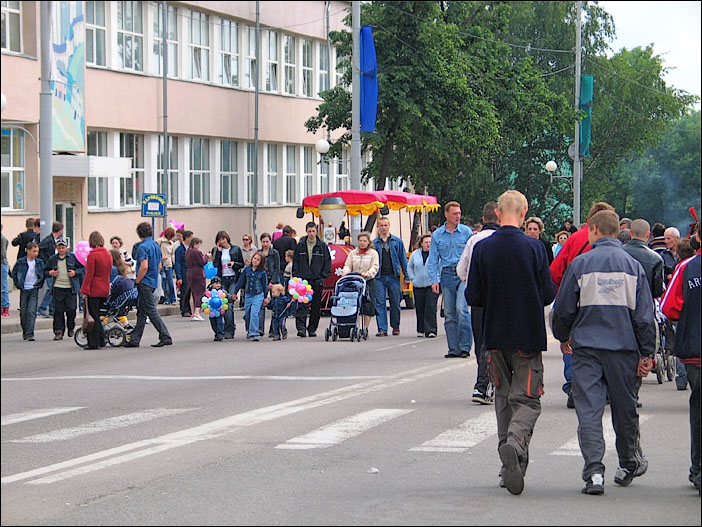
x,y
299,290
214,303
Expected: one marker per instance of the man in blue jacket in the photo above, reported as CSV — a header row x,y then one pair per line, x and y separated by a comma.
x,y
392,261
64,267
604,317
510,279
28,277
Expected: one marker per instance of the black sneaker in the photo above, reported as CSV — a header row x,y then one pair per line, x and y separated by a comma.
x,y
312,333
480,398
301,334
625,476
465,354
594,485
570,403
513,477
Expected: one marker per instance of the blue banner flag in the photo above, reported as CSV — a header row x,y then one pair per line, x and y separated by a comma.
x,y
369,80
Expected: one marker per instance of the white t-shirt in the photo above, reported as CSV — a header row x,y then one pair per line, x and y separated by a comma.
x,y
31,278
226,260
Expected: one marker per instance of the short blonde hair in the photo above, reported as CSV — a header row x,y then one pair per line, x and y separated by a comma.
x,y
536,220
512,201
280,288
607,221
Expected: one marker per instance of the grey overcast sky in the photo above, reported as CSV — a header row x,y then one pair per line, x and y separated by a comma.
x,y
674,30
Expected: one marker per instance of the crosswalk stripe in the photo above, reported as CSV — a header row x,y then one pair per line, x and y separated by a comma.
x,y
461,438
36,414
342,430
572,447
101,426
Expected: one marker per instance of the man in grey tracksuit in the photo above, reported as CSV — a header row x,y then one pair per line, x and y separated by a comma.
x,y
604,314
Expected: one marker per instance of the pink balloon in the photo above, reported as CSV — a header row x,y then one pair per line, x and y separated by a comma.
x,y
301,288
82,250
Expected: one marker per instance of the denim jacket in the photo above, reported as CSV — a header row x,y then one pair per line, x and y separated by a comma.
x,y
72,264
19,273
418,270
397,253
253,282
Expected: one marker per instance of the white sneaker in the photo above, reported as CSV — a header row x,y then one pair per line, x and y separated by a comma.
x,y
197,318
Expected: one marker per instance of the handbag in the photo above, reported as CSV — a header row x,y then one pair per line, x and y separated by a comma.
x,y
88,320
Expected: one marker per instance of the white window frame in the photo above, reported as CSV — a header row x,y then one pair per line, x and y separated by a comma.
x,y
289,65
14,173
250,69
291,153
173,172
9,12
200,177
199,45
228,53
307,65
272,172
171,40
308,156
324,74
324,176
250,171
131,34
97,146
272,63
128,144
342,171
229,173
339,70
93,30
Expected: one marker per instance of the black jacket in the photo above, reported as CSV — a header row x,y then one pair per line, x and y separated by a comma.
x,y
651,262
320,268
236,257
47,248
273,266
283,244
21,241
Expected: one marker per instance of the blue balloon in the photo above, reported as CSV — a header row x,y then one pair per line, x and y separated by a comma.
x,y
215,303
210,271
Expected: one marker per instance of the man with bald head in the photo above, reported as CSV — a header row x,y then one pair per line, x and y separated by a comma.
x,y
648,258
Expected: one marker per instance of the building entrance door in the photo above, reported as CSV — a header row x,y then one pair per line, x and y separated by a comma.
x,y
65,214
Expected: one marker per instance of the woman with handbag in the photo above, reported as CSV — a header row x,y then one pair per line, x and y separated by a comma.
x,y
96,289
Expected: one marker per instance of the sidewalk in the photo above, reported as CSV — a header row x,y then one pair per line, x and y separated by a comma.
x,y
11,324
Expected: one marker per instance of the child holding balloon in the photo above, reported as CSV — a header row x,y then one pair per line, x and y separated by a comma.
x,y
215,304
254,281
280,306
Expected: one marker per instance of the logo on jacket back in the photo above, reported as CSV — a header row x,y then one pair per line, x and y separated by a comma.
x,y
609,285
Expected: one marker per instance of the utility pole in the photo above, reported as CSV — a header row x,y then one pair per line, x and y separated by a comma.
x,y
46,202
577,163
355,168
166,150
258,67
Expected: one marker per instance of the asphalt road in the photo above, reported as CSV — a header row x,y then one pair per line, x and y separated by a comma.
x,y
302,432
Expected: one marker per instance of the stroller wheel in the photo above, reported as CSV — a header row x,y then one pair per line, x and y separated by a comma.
x,y
335,334
365,334
659,369
670,367
327,334
80,339
353,334
116,337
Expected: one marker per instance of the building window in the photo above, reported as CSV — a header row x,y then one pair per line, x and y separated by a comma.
x,y
308,162
342,171
172,40
289,59
307,68
271,40
250,66
339,70
132,186
229,53
172,169
272,173
130,36
324,176
11,30
199,47
323,67
229,175
250,171
12,167
97,186
290,174
95,33
199,171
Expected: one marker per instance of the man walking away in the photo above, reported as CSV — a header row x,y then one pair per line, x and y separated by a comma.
x,y
447,244
392,260
285,242
682,303
23,238
312,262
148,262
509,278
604,317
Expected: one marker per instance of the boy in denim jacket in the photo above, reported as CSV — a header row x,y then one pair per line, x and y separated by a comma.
x,y
279,304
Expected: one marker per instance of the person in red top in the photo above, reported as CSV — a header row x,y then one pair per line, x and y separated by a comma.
x,y
96,286
575,245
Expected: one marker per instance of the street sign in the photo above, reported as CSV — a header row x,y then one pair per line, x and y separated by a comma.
x,y
153,205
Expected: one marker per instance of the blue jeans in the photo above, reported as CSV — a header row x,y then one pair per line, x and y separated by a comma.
x,y
5,286
567,372
457,324
217,324
252,307
47,303
167,285
228,283
28,310
387,287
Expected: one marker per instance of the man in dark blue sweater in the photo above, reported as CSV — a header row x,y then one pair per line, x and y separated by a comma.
x,y
509,277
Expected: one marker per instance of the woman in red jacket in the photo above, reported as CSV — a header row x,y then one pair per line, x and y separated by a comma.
x,y
96,286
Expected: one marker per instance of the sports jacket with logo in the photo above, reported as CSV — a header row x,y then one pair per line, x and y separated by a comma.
x,y
605,303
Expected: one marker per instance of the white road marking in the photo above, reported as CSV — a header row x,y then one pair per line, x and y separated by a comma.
x,y
197,378
103,425
415,342
572,447
36,414
342,430
220,427
460,439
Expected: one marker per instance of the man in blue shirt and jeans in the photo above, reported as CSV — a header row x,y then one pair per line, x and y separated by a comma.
x,y
148,262
447,244
392,261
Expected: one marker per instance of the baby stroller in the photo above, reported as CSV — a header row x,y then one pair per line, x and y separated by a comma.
x,y
349,293
664,358
113,314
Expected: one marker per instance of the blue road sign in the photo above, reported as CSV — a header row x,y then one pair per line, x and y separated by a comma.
x,y
153,205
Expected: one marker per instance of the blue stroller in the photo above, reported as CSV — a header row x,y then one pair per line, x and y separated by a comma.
x,y
350,292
